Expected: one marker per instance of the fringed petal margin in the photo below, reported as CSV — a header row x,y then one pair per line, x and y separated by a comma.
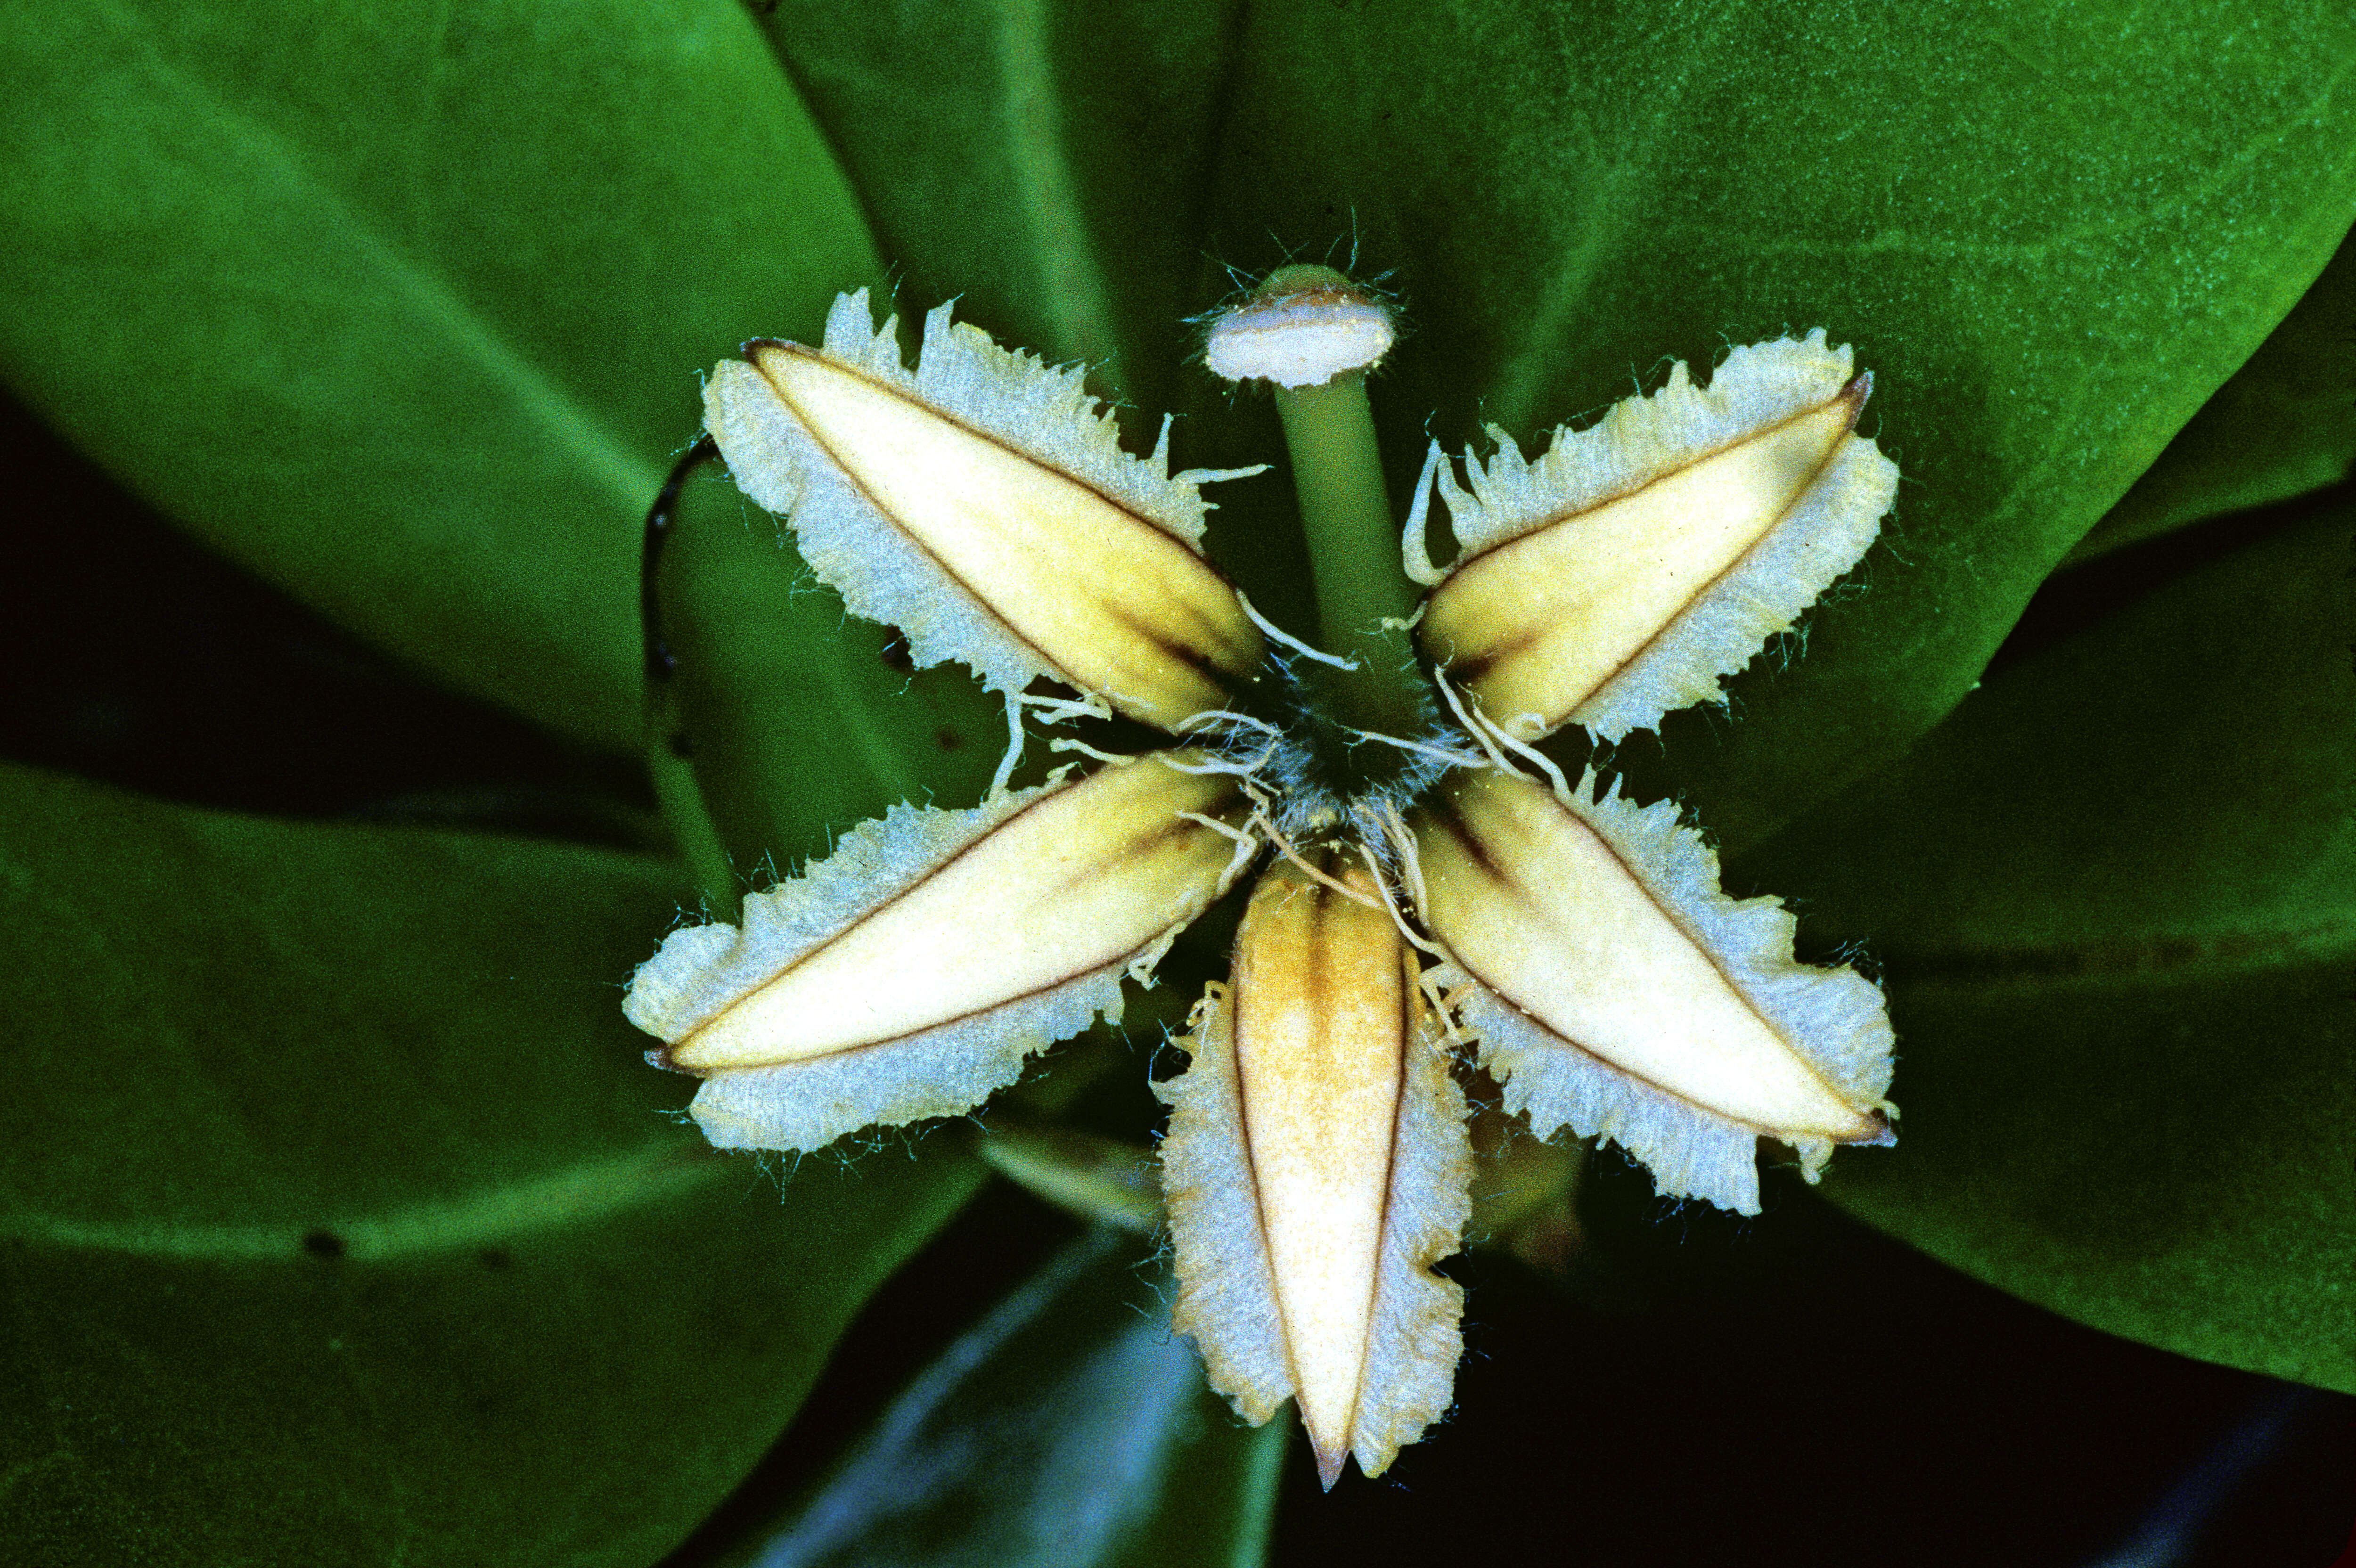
x,y
1315,1168
1620,576
910,973
983,505
1622,994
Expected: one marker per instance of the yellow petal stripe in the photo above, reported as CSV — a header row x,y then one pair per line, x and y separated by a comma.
x,y
1322,1014
1539,623
1084,876
1113,603
1542,910
1316,1167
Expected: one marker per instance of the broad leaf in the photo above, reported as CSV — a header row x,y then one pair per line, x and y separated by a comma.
x,y
343,1222
2117,894
403,307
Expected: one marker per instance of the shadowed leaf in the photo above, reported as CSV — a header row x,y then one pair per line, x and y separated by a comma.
x,y
2117,894
1066,1428
403,306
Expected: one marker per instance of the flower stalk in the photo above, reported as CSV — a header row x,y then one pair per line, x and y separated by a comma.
x,y
1346,509
1312,334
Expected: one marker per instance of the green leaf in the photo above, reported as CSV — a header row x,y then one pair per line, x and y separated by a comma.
x,y
2117,896
2167,1164
340,1223
2284,425
2164,793
1070,216
2050,234
403,306
799,720
1066,1429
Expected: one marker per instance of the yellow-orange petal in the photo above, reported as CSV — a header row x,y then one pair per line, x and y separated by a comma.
x,y
1618,578
909,972
1316,1165
1622,994
983,506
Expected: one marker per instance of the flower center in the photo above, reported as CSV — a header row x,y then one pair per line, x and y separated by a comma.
x,y
1333,748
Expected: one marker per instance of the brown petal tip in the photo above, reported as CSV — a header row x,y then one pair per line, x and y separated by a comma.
x,y
1329,1463
1859,388
1882,1135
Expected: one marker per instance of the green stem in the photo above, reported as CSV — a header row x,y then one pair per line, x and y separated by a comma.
x,y
1353,549
1337,472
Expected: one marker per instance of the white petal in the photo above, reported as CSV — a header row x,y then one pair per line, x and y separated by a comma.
x,y
909,973
983,506
1621,575
1316,1165
1624,993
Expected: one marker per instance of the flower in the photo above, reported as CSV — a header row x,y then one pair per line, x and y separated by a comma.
x,y
1429,884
